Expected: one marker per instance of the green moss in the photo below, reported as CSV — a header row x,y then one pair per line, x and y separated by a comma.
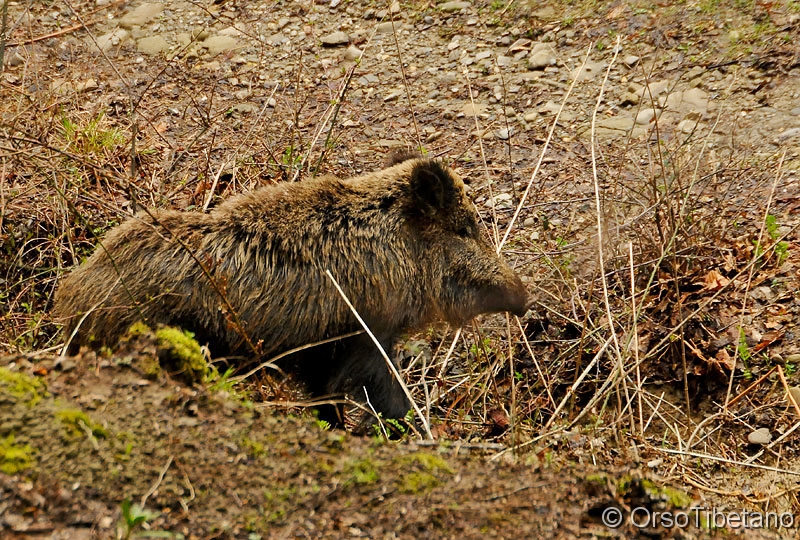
x,y
21,386
253,448
417,482
138,329
178,348
675,497
425,470
77,422
363,472
598,478
15,457
427,461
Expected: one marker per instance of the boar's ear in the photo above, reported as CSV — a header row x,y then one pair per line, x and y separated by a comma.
x,y
433,187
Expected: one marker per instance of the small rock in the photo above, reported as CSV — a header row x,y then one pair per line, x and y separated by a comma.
x,y
368,79
761,436
529,222
388,27
15,59
277,40
335,40
795,392
504,61
471,109
788,134
793,358
589,71
218,44
504,134
687,126
394,8
352,53
645,116
140,15
541,60
152,45
112,39
245,108
453,6
630,60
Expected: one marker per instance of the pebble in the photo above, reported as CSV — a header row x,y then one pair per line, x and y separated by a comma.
x,y
386,27
218,44
761,436
335,39
152,45
15,59
140,15
112,39
788,134
504,133
453,6
645,116
541,60
630,60
795,392
352,53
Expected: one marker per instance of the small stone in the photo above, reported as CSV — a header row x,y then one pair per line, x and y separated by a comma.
x,y
152,45
453,6
793,358
394,8
388,27
476,109
352,53
218,44
140,15
112,39
687,126
630,60
245,108
795,392
15,59
541,60
761,436
788,134
645,116
335,40
504,61
504,134
529,222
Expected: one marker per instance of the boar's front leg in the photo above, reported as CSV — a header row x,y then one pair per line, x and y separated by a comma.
x,y
361,373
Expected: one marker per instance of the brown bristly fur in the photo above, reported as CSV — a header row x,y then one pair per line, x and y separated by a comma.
x,y
402,242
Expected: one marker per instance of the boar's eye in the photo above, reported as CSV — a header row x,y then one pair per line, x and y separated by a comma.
x,y
464,231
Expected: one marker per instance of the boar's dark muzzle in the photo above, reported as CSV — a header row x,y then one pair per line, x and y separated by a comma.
x,y
519,300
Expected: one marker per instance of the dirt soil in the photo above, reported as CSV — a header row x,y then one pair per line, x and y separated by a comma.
x,y
696,140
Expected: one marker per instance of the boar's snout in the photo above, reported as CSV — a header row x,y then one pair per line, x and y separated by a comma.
x,y
519,301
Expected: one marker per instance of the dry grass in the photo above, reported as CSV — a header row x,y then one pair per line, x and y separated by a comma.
x,y
640,271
